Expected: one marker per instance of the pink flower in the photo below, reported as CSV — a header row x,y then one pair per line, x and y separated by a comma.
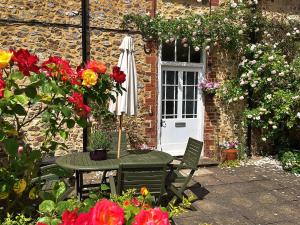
x,y
69,218
106,212
151,217
83,219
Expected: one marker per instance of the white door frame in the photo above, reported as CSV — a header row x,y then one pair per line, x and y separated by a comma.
x,y
173,64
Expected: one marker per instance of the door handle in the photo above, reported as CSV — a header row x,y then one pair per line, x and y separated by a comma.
x,y
163,123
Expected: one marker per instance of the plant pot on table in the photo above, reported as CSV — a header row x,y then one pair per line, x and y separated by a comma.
x,y
98,154
230,154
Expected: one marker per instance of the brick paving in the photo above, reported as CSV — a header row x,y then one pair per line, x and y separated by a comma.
x,y
246,195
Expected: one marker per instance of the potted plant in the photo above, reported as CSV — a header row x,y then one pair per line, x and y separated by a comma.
x,y
209,88
99,145
229,150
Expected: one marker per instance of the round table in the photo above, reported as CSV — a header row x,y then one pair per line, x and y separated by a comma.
x,y
81,162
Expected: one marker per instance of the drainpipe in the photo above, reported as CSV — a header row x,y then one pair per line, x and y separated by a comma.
x,y
85,54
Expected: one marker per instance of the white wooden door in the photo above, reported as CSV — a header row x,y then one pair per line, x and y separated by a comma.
x,y
182,108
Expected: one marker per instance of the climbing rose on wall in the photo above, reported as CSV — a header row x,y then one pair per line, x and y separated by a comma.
x,y
89,78
81,109
118,75
25,61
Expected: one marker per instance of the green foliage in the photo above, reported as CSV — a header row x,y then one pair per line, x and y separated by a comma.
x,y
100,140
19,219
290,160
176,210
230,164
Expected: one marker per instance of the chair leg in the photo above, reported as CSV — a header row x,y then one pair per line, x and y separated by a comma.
x,y
103,176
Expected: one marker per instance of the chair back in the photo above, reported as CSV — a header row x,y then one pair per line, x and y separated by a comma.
x,y
151,176
192,153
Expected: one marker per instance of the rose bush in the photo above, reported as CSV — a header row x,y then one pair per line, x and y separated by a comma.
x,y
50,94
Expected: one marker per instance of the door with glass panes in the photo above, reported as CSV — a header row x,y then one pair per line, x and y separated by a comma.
x,y
181,103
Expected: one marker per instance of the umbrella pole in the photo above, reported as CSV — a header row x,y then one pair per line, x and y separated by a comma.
x,y
120,135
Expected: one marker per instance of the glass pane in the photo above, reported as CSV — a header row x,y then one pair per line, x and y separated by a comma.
x,y
170,92
189,107
182,52
191,79
189,116
189,92
168,52
169,107
170,77
164,77
163,92
195,56
195,109
163,108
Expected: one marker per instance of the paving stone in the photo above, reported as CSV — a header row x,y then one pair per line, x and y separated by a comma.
x,y
231,219
193,218
213,206
207,180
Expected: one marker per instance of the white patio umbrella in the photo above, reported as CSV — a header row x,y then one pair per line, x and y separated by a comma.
x,y
127,102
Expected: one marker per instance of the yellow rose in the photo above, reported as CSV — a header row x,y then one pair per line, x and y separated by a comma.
x,y
3,195
4,58
144,191
20,186
89,78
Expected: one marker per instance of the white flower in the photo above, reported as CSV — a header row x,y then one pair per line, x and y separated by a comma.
x,y
249,116
226,20
199,22
185,45
197,49
235,99
257,29
270,122
244,25
255,2
167,41
269,97
253,85
243,75
295,97
233,5
172,39
252,47
194,33
207,48
264,139
262,110
230,100
269,79
253,62
259,51
274,127
271,58
268,35
242,82
259,69
241,97
228,38
250,72
273,72
263,65
257,118
298,114
255,82
288,34
241,31
208,40
281,74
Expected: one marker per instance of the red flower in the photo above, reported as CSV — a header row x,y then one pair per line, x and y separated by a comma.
x,y
2,86
135,202
83,219
106,212
25,61
97,67
58,67
126,203
81,109
69,218
151,217
39,223
118,75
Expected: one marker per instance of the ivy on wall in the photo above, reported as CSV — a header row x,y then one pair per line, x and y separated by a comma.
x,y
266,47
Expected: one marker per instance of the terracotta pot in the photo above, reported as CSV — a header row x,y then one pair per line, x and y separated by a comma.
x,y
230,154
98,155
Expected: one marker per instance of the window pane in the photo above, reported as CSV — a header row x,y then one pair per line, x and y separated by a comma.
x,y
163,108
182,52
169,107
191,79
195,109
168,52
170,92
195,57
189,92
189,107
170,77
163,92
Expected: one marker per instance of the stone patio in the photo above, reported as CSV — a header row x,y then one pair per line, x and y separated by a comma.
x,y
244,196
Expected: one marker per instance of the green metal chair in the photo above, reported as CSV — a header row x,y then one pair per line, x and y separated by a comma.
x,y
151,176
177,181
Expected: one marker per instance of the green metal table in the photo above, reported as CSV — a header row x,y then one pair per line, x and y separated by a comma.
x,y
81,162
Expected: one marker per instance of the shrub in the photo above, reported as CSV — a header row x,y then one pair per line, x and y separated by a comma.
x,y
290,161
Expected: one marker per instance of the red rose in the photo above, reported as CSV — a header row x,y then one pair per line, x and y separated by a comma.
x,y
83,219
39,223
107,212
153,216
2,86
58,67
97,67
81,109
118,75
25,61
69,218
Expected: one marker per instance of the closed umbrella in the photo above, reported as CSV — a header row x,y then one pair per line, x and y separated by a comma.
x,y
126,104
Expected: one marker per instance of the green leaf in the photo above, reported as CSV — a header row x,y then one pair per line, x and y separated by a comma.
x,y
59,189
55,221
46,195
82,122
17,75
19,110
63,134
31,92
104,187
11,146
7,94
66,111
46,220
21,99
47,206
70,123
63,206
